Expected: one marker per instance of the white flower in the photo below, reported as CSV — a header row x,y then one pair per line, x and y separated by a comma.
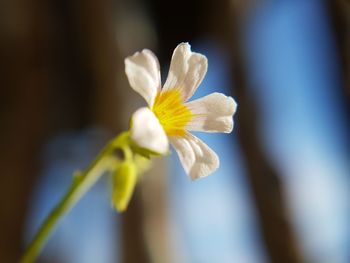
x,y
169,116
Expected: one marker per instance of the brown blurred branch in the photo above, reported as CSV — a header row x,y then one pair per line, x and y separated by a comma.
x,y
103,65
23,100
339,11
267,188
133,242
224,21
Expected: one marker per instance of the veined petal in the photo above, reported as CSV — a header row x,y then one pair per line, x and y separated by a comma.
x,y
147,132
142,70
187,70
212,113
196,157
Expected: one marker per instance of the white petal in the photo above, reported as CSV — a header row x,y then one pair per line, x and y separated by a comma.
x,y
187,70
196,157
142,70
147,132
213,113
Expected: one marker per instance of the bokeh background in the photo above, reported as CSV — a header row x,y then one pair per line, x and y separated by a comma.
x,y
282,192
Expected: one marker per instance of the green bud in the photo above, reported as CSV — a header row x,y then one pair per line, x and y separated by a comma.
x,y
124,181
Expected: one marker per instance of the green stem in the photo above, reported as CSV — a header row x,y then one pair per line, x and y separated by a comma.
x,y
81,184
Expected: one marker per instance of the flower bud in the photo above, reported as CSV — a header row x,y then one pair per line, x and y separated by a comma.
x,y
124,181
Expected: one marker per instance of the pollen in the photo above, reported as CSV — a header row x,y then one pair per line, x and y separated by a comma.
x,y
170,109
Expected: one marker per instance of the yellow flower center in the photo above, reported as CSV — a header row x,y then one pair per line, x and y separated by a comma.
x,y
172,113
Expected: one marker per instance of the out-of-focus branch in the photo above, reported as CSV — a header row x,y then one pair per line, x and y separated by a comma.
x,y
267,189
339,11
104,66
23,100
266,185
133,242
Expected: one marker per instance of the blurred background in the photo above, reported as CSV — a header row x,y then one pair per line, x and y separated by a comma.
x,y
282,192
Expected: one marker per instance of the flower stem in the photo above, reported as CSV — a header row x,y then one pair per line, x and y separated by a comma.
x,y
82,182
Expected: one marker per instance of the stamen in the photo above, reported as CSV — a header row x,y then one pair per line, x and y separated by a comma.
x,y
172,112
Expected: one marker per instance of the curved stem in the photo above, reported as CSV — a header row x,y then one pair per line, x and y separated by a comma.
x,y
81,184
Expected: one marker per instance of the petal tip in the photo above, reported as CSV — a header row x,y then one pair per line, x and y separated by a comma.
x,y
197,159
184,44
143,73
202,173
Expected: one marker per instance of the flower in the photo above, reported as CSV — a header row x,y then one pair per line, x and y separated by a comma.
x,y
169,116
